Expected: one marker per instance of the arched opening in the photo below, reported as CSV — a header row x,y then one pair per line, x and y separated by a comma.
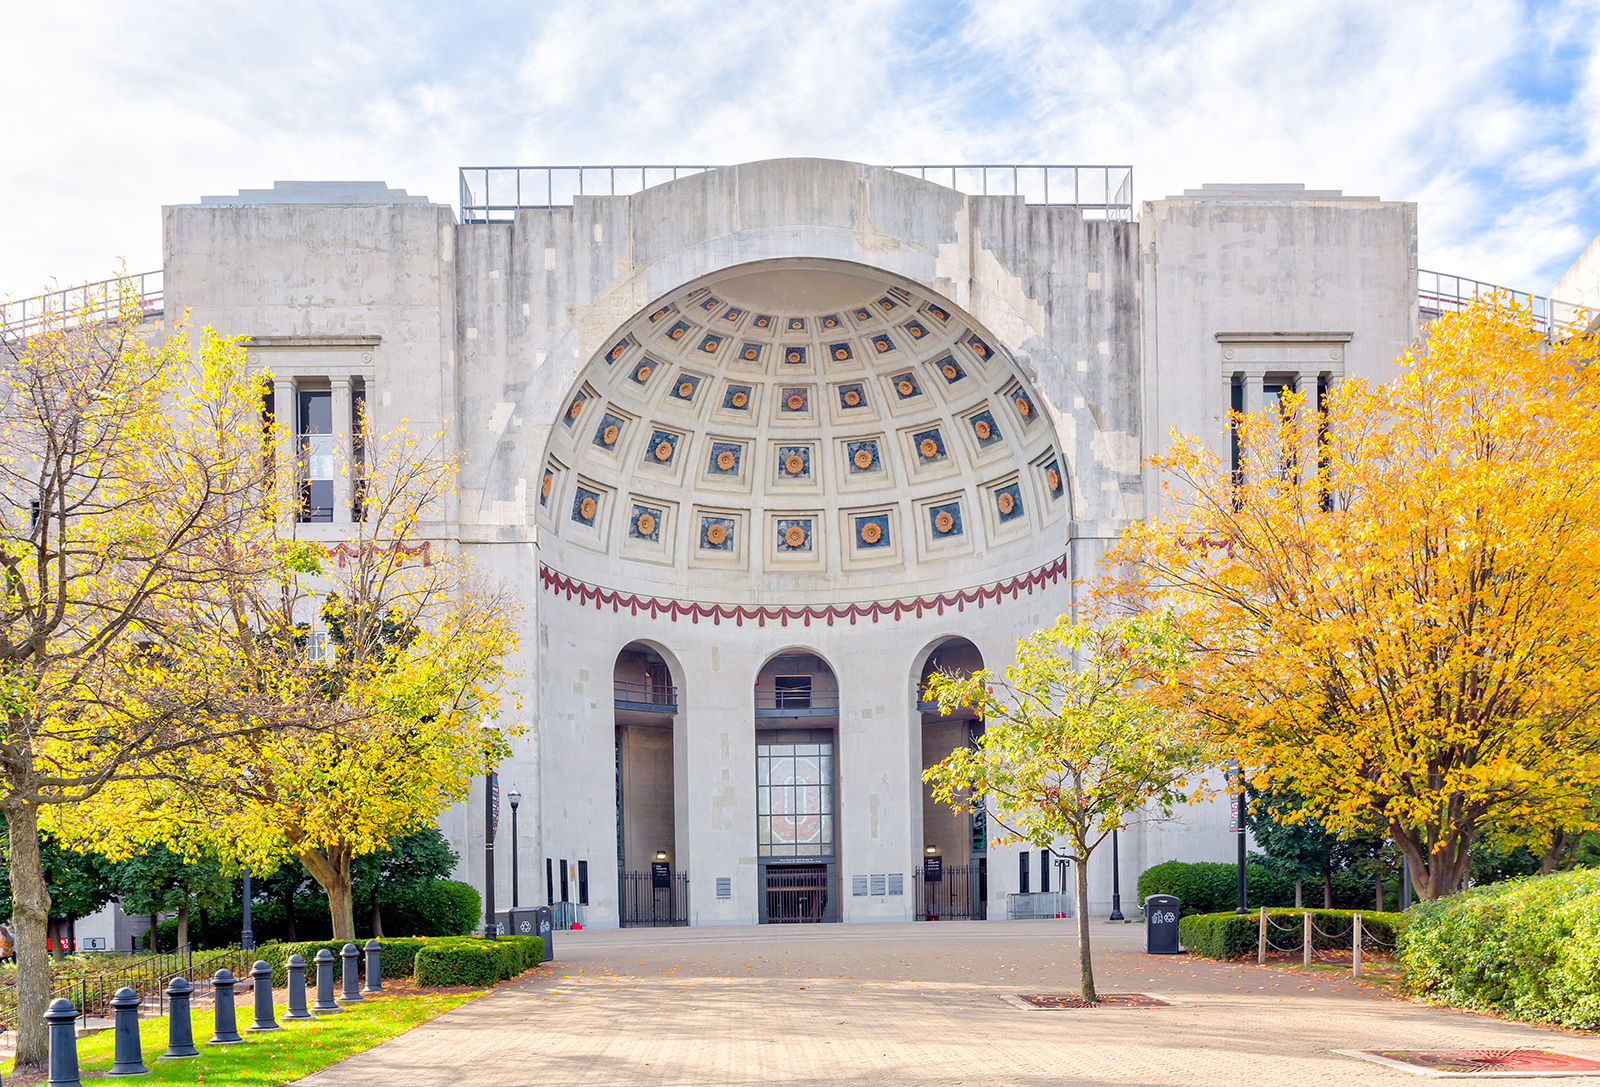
x,y
954,879
651,888
797,728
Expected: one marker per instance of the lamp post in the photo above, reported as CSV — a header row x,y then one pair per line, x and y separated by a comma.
x,y
1116,882
491,806
1237,800
516,798
247,938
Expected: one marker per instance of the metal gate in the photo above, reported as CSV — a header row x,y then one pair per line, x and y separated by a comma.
x,y
640,904
797,893
960,896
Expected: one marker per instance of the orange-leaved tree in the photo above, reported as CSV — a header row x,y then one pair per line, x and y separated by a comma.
x,y
1393,605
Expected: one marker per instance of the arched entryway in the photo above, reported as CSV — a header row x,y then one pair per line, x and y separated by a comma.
x,y
797,729
651,887
953,882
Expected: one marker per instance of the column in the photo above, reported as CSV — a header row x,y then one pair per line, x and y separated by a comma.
x,y
341,449
1254,392
285,455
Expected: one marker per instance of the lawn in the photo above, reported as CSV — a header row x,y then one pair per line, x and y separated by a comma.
x,y
273,1058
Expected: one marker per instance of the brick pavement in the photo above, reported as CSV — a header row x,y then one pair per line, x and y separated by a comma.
x,y
910,1004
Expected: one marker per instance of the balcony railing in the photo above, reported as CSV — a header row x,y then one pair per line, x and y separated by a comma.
x,y
493,194
1439,293
650,697
100,301
797,703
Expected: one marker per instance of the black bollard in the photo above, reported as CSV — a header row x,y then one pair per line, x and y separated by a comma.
x,y
374,969
349,973
325,1004
225,1028
62,1019
129,1058
296,967
180,1039
261,982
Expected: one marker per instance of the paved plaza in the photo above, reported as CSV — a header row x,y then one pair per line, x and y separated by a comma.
x,y
909,1004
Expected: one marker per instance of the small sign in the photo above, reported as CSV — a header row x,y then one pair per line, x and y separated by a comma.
x,y
1235,781
660,875
933,869
94,943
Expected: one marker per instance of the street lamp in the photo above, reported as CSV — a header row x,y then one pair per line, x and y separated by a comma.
x,y
1116,881
516,798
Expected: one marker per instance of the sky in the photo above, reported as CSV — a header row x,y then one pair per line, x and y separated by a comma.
x,y
1486,114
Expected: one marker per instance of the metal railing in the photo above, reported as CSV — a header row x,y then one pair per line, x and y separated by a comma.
x,y
641,904
652,695
1439,293
101,301
1039,904
957,896
797,703
493,194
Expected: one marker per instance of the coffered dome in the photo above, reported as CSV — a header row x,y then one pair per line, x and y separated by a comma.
x,y
801,425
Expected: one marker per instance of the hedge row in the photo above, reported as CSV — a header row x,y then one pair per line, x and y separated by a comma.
x,y
480,962
1209,886
1227,935
1526,948
398,957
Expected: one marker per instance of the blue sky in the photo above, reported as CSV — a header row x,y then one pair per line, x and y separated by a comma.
x,y
1485,114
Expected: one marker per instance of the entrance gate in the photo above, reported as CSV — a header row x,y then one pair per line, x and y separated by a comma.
x,y
961,895
797,893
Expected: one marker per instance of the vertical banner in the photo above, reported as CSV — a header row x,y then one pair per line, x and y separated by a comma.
x,y
494,804
1235,798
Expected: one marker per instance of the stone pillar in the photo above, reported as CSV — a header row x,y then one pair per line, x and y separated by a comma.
x,y
1254,393
342,468
285,455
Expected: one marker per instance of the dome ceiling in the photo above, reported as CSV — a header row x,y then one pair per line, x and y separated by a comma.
x,y
802,421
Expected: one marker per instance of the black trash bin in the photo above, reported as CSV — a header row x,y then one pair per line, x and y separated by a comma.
x,y
1161,925
544,928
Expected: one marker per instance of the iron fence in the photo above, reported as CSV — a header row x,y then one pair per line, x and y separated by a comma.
x,y
959,896
641,904
1439,293
495,193
101,301
797,893
563,915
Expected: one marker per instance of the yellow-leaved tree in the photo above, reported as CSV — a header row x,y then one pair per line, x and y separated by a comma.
x,y
132,486
1393,608
407,670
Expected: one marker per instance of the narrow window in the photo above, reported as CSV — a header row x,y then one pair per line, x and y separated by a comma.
x,y
1022,872
1236,404
358,452
549,882
564,897
1044,870
583,883
316,455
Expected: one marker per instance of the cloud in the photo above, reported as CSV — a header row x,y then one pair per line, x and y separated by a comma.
x,y
1486,113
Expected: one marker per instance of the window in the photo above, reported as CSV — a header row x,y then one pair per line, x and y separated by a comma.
x,y
583,883
315,440
358,453
549,882
1022,872
794,799
793,692
1044,871
317,647
564,897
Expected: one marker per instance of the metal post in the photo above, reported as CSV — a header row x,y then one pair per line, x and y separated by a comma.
x,y
180,1038
247,938
1305,945
325,1004
1355,949
225,1028
1241,907
1261,940
516,798
489,783
128,1059
296,968
63,1043
1116,881
374,968
349,974
261,986
1405,882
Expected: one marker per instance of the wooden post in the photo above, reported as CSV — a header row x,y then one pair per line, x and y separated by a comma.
x,y
1305,946
1261,941
1355,950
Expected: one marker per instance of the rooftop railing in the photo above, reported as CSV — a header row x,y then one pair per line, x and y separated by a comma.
x,y
1439,293
100,301
493,194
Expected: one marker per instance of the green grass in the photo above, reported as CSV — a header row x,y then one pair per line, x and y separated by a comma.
x,y
273,1058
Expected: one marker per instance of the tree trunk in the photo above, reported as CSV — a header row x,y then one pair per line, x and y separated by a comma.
x,y
1377,880
30,920
1327,886
331,869
1297,892
1441,871
288,916
377,920
57,943
183,925
1552,856
155,944
1085,965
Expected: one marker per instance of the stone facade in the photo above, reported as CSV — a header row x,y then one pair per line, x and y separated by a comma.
x,y
758,445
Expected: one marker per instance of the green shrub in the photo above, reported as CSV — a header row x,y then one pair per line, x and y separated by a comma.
x,y
1211,886
1226,935
1527,948
476,962
446,907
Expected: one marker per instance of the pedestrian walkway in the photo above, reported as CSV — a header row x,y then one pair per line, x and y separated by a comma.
x,y
911,1004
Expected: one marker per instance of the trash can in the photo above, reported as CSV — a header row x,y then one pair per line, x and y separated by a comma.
x,y
544,928
1161,925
